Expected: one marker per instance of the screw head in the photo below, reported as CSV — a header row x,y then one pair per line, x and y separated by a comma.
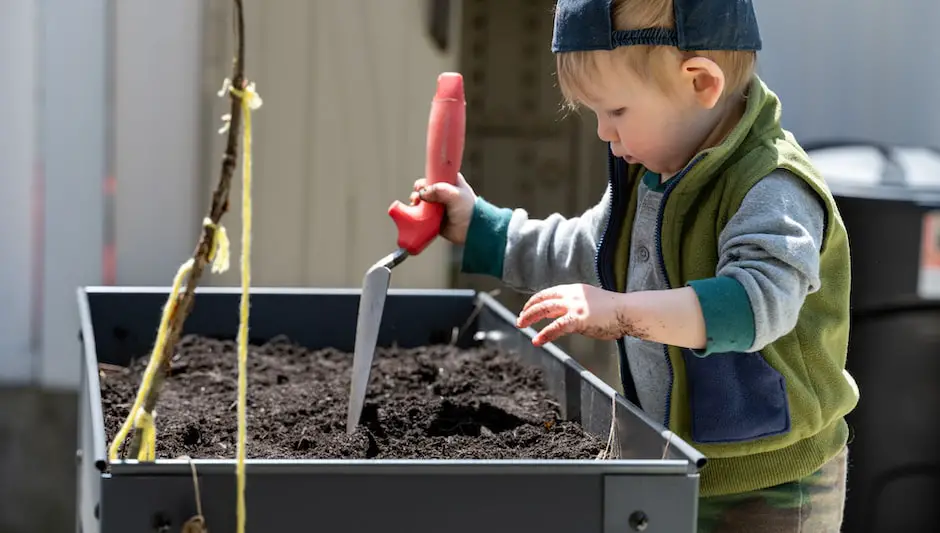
x,y
639,521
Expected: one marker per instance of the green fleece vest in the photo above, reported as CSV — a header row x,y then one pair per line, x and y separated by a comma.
x,y
809,361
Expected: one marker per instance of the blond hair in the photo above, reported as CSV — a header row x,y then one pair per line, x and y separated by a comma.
x,y
575,70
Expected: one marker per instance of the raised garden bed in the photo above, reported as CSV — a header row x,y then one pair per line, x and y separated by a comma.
x,y
467,432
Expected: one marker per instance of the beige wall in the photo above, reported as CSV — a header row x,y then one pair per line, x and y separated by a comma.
x,y
155,150
347,88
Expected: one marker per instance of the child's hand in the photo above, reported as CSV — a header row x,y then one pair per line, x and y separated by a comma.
x,y
457,199
578,308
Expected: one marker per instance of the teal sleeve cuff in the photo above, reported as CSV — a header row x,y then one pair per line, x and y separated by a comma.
x,y
485,248
729,319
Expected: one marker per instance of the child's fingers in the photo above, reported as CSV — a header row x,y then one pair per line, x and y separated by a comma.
x,y
541,311
442,193
419,184
562,326
541,296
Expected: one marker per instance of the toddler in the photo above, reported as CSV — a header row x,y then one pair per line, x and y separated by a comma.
x,y
716,258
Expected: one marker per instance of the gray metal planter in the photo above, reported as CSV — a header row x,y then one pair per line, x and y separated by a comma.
x,y
653,487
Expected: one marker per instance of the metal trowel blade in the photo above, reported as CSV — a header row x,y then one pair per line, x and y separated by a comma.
x,y
371,303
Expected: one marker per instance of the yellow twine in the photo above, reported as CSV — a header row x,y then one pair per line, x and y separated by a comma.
x,y
138,417
219,251
219,255
148,448
249,100
133,416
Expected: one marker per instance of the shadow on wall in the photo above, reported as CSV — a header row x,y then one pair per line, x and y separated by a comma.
x,y
37,460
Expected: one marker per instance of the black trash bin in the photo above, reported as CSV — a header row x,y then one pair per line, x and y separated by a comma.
x,y
889,197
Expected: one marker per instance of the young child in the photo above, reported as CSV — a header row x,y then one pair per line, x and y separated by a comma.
x,y
716,258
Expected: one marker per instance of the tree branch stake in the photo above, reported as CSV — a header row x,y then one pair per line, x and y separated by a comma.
x,y
205,247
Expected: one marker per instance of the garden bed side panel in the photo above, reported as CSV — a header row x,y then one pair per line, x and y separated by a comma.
x,y
125,319
457,499
583,396
91,452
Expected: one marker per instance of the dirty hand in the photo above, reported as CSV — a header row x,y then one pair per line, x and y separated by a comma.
x,y
577,308
458,201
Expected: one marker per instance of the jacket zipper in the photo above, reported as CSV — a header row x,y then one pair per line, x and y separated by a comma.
x,y
662,267
604,275
610,214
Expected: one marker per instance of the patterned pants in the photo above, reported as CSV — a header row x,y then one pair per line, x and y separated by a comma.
x,y
813,504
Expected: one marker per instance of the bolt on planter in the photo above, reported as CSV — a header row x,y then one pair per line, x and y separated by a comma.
x,y
652,486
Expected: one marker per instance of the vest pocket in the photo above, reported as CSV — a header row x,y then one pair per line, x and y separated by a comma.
x,y
735,397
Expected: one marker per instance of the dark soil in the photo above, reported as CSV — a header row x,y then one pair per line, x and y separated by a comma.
x,y
434,402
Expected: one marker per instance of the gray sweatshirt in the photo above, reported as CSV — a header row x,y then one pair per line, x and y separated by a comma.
x,y
770,247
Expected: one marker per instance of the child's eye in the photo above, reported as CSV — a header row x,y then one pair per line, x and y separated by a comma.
x,y
617,112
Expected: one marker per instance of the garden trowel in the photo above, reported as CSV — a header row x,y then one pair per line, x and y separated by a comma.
x,y
417,225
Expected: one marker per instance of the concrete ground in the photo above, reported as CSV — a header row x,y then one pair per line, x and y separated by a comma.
x,y
38,440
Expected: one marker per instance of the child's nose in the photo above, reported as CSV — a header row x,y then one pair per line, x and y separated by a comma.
x,y
605,132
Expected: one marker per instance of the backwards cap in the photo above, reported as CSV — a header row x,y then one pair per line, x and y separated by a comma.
x,y
700,25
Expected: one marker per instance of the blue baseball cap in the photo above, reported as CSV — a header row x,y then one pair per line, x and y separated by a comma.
x,y
700,25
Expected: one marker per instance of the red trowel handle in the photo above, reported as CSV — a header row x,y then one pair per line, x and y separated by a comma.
x,y
419,224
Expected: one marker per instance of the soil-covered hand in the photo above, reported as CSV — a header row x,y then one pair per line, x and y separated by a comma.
x,y
458,201
577,308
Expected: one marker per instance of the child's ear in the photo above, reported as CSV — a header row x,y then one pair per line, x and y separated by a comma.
x,y
705,78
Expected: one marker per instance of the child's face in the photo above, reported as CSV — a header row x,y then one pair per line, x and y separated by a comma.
x,y
644,124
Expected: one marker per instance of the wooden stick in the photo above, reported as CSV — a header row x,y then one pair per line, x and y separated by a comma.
x,y
218,207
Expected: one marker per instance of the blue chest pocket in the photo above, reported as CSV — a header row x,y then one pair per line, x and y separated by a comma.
x,y
735,397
